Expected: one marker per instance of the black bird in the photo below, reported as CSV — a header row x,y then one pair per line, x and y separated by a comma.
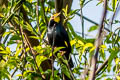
x,y
56,31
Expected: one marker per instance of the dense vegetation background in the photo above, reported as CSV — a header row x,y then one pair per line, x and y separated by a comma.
x,y
25,53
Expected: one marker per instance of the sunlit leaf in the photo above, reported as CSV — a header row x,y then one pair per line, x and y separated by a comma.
x,y
92,28
108,8
18,52
19,75
80,42
6,33
34,37
114,2
8,50
118,77
26,72
57,49
72,42
86,46
114,51
39,59
65,71
117,60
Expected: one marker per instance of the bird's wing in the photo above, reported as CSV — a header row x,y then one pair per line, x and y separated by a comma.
x,y
65,36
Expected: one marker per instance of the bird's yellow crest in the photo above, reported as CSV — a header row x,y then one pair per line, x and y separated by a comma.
x,y
56,17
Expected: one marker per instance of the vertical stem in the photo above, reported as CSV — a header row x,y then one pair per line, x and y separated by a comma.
x,y
82,22
81,16
98,43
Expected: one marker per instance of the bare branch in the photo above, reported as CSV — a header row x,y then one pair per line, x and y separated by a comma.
x,y
102,66
97,44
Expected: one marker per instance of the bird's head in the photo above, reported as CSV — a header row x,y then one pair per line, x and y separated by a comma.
x,y
55,17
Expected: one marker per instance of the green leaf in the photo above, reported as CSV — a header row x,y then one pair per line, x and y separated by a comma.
x,y
40,59
3,52
114,2
8,50
72,42
99,3
15,37
108,40
43,33
86,46
51,3
18,52
114,51
108,8
19,75
65,71
28,27
34,37
6,33
57,49
28,6
26,72
73,11
73,32
92,28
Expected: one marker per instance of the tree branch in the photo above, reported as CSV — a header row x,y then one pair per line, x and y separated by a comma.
x,y
97,44
102,66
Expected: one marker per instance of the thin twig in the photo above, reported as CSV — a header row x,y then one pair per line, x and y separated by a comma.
x,y
114,15
97,44
23,43
68,66
82,21
14,72
75,59
102,66
33,53
91,21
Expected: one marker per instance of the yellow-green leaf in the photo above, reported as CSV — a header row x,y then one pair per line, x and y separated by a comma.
x,y
19,75
18,51
103,46
72,42
39,59
8,50
118,77
114,2
80,42
86,46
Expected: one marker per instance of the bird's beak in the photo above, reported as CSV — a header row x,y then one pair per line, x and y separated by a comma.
x,y
58,14
55,15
